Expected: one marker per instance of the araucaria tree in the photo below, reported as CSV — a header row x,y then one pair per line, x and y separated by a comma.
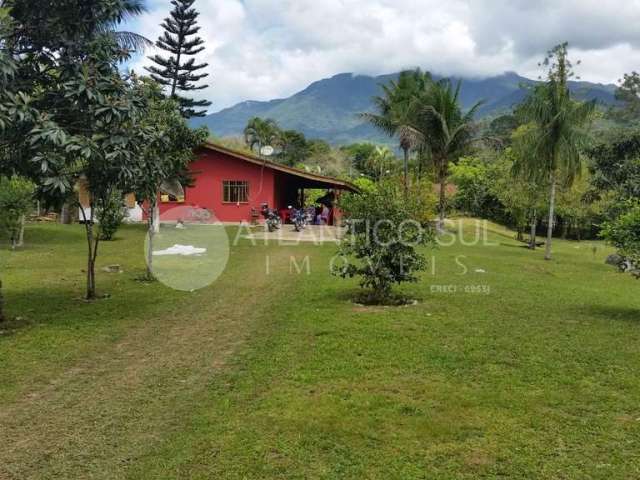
x,y
550,150
179,72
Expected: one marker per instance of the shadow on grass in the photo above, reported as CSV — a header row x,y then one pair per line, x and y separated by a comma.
x,y
51,234
360,296
612,312
37,234
515,245
67,307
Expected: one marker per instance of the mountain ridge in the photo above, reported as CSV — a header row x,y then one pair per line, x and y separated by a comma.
x,y
328,108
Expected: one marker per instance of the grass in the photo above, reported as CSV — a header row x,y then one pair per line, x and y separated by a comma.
x,y
519,368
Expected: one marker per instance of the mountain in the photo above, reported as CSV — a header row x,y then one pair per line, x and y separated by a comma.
x,y
328,109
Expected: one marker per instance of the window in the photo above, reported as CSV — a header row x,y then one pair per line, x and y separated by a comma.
x,y
235,191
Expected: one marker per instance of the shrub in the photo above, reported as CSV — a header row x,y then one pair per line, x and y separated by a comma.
x,y
473,189
624,234
16,200
111,215
385,229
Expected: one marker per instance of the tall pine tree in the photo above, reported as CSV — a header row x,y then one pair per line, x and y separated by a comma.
x,y
179,72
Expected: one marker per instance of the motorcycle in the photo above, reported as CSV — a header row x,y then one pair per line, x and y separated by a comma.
x,y
272,219
298,218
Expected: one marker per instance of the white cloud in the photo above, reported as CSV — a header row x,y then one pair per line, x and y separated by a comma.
x,y
264,49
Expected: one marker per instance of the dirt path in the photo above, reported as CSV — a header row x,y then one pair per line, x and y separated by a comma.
x,y
99,416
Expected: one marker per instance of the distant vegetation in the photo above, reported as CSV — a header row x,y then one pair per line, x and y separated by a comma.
x,y
553,163
328,109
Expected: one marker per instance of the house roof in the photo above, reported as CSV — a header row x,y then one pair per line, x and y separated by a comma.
x,y
314,180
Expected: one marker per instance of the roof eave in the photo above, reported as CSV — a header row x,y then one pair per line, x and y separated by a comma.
x,y
334,182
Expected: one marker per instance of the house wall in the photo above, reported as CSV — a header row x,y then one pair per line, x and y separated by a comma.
x,y
209,171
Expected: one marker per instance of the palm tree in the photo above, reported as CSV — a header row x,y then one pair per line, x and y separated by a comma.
x,y
260,132
446,131
550,148
81,22
396,112
128,9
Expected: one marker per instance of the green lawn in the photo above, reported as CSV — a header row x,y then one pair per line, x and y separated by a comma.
x,y
278,375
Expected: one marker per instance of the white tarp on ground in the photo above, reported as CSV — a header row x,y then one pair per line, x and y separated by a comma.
x,y
178,249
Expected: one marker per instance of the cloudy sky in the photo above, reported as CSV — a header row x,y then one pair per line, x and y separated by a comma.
x,y
265,49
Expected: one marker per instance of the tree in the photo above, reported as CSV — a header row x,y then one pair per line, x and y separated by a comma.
x,y
359,154
578,208
521,197
615,164
385,227
624,234
473,179
260,132
550,149
292,147
110,216
324,160
380,163
628,93
445,130
81,119
165,158
176,72
396,112
16,201
501,129
15,115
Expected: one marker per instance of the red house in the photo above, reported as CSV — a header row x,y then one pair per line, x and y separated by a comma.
x,y
233,185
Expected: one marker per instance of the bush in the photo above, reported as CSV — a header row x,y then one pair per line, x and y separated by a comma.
x,y
385,229
473,196
16,201
111,215
624,234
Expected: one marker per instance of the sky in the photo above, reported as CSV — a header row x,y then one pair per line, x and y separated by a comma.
x,y
266,49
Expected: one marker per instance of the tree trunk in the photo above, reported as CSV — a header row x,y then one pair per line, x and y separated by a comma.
x,y
92,252
406,170
2,317
21,234
532,234
92,242
151,224
155,212
174,83
565,230
552,204
65,214
442,202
